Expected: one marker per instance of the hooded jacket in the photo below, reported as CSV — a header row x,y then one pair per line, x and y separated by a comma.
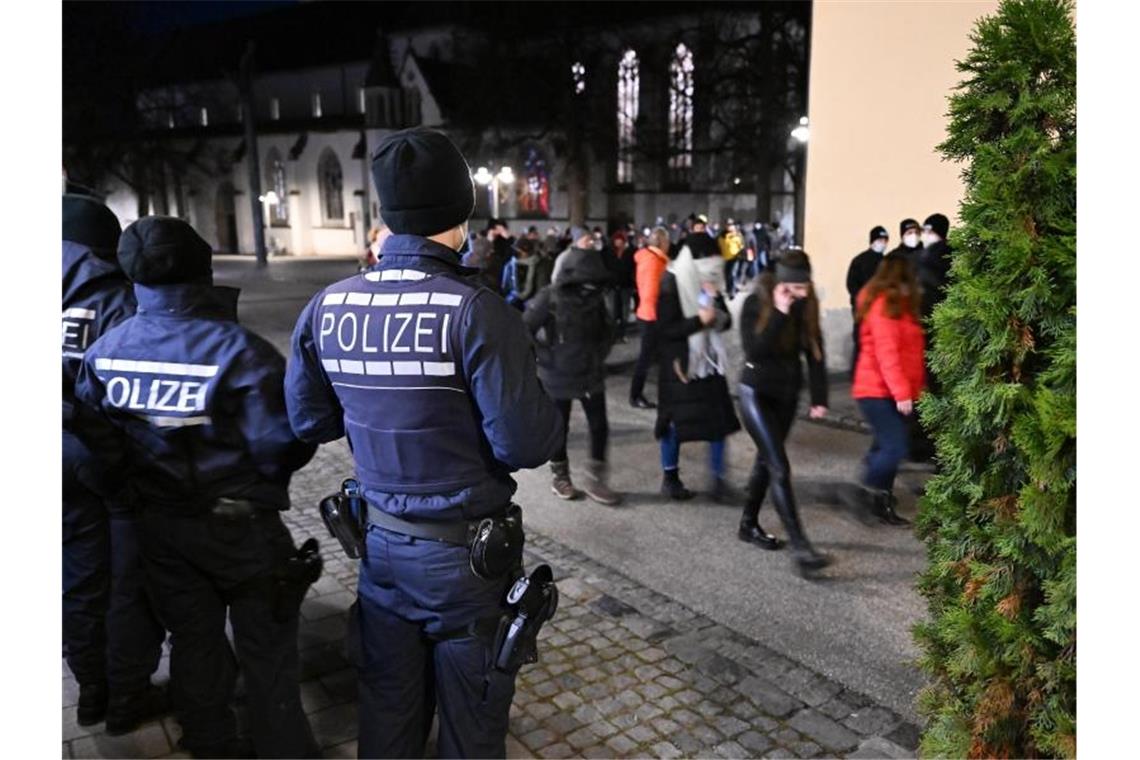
x,y
572,356
890,363
651,264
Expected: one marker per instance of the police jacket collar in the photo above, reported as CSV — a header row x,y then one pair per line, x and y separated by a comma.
x,y
397,249
188,300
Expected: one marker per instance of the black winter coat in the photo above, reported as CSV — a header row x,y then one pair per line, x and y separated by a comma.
x,y
933,273
772,357
861,271
702,409
572,357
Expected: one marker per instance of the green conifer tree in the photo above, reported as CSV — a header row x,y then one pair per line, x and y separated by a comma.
x,y
999,520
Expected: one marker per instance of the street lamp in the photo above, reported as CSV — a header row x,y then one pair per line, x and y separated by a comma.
x,y
801,132
483,176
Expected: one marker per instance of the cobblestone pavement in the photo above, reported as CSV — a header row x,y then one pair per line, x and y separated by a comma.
x,y
623,672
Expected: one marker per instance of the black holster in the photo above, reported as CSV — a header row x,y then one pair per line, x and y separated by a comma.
x,y
345,515
532,600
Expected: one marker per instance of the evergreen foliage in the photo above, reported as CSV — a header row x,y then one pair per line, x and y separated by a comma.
x,y
999,521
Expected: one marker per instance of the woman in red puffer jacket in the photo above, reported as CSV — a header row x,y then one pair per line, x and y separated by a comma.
x,y
889,377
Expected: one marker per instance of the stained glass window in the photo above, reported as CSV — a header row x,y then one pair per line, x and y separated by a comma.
x,y
331,181
275,179
629,88
681,112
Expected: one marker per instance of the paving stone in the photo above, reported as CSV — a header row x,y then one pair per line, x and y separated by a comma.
x,y
586,714
559,750
523,724
594,691
583,737
566,700
547,689
647,672
540,710
809,687
626,720
72,729
768,697
648,711
787,736
685,717
314,697
334,725
755,742
779,752
708,709
873,721
686,742
878,747
630,698
807,749
539,738
147,741
729,726
666,750
621,744
730,750
562,723
824,730
598,751
611,607
642,733
664,726
668,704
670,683
837,708
688,649
604,728
347,751
906,736
721,668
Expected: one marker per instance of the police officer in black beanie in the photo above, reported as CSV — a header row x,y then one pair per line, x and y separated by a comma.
x,y
860,272
197,423
432,378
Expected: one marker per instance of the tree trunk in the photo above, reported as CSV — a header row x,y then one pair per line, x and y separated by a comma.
x,y
252,162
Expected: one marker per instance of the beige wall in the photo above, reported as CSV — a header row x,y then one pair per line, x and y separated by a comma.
x,y
880,75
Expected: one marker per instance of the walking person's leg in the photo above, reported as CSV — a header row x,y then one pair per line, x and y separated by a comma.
x,y
671,485
597,469
891,445
646,357
561,484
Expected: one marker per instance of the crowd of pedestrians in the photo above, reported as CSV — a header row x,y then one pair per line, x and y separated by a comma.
x,y
449,361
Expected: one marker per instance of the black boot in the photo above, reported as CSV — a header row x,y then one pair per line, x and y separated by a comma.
x,y
92,704
887,512
672,486
640,402
724,493
804,555
751,532
127,712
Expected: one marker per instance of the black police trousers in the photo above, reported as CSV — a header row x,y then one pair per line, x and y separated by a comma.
x,y
199,567
110,632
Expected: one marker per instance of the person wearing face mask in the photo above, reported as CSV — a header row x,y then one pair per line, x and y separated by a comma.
x,y
779,323
859,273
694,403
933,270
432,378
911,245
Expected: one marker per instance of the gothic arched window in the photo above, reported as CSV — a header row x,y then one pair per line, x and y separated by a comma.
x,y
331,182
681,112
629,88
275,181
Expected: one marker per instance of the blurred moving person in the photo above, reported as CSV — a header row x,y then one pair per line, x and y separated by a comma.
x,y
651,264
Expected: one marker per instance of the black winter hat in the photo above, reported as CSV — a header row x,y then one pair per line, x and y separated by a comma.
x,y
88,222
938,224
878,233
164,250
907,224
423,181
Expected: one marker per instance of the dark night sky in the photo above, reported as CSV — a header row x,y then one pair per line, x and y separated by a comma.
x,y
156,17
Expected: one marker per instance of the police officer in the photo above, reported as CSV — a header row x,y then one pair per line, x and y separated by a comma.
x,y
196,415
431,376
910,243
112,638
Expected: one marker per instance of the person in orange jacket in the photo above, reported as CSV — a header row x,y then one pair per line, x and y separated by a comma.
x,y
889,376
650,262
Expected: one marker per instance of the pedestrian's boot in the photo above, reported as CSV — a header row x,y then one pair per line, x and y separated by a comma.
x,y
861,502
885,509
751,532
672,486
641,402
804,556
596,488
127,712
561,484
92,704
724,493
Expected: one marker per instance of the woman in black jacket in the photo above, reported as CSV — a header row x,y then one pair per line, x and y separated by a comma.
x,y
778,323
573,334
694,402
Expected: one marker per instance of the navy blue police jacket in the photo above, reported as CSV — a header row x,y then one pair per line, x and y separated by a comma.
x,y
96,297
431,376
194,403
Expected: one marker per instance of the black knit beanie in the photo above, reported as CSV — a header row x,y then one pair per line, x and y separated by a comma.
x,y
907,224
878,233
88,222
938,224
164,250
423,182
793,267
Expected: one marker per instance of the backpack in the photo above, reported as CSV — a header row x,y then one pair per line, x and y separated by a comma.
x,y
580,315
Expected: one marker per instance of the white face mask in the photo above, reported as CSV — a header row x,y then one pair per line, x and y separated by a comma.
x,y
929,239
910,240
878,246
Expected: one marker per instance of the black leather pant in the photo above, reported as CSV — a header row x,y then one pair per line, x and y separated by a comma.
x,y
768,421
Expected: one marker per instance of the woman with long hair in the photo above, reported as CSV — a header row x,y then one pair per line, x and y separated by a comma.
x,y
779,322
889,377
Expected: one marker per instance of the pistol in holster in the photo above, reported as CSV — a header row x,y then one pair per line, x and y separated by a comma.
x,y
532,601
345,515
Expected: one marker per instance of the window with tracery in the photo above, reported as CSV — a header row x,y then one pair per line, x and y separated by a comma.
x,y
629,88
681,113
331,181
